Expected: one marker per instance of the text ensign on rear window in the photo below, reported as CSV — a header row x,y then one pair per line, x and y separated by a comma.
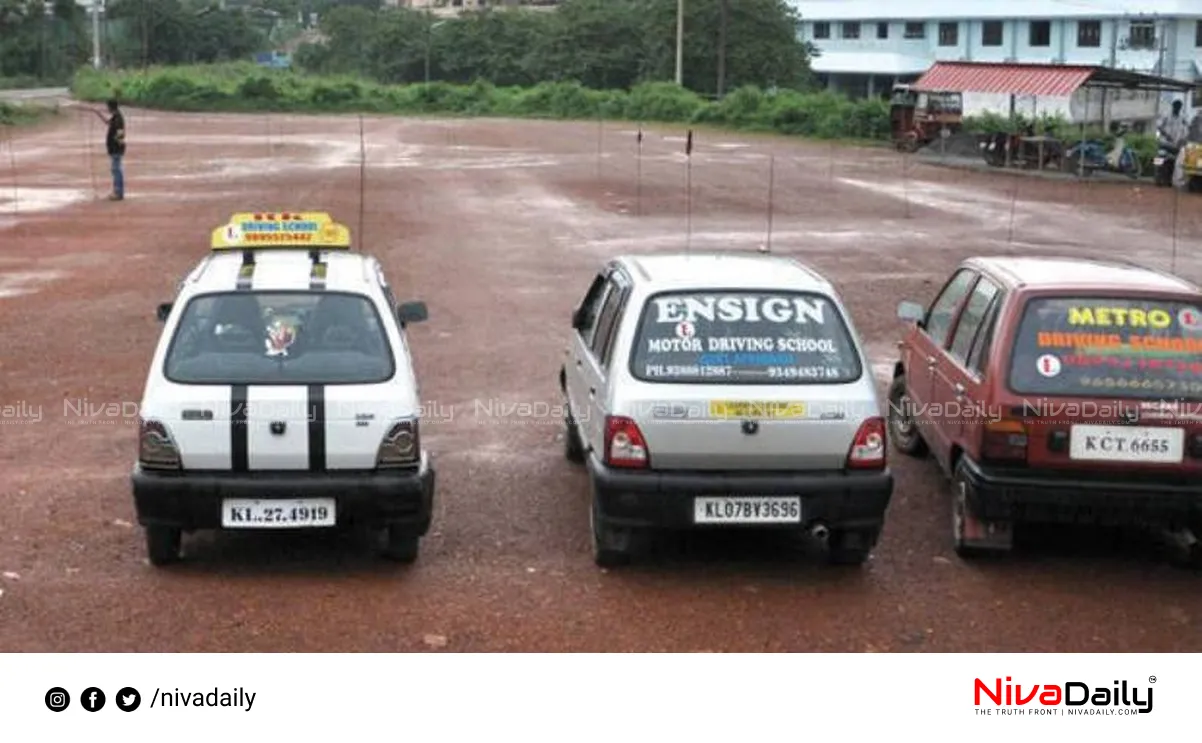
x,y
743,338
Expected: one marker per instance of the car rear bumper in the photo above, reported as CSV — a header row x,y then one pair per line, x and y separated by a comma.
x,y
1008,495
665,500
193,500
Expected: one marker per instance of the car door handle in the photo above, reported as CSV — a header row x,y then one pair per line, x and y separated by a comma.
x,y
579,362
930,361
592,391
959,390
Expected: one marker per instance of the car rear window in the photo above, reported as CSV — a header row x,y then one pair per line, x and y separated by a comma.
x,y
279,338
1090,346
744,338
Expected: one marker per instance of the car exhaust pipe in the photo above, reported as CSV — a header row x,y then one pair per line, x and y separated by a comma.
x,y
820,532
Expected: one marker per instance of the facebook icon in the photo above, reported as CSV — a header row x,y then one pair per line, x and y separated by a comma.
x,y
92,699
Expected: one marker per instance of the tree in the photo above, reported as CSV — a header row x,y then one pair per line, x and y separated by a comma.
x,y
599,43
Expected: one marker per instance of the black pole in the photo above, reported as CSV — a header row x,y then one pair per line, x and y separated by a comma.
x,y
724,9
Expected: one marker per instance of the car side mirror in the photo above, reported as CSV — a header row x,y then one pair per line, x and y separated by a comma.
x,y
912,312
164,311
412,312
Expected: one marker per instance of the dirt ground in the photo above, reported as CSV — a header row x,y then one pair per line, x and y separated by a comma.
x,y
499,227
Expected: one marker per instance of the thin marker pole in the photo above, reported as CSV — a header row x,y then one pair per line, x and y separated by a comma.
x,y
688,191
638,176
1013,204
12,162
362,177
771,187
1176,206
600,138
91,158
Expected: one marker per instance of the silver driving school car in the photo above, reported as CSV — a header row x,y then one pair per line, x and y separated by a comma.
x,y
723,390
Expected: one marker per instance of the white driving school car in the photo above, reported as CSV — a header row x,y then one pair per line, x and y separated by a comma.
x,y
723,390
282,394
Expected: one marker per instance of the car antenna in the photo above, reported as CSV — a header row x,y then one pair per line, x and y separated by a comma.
x,y
362,175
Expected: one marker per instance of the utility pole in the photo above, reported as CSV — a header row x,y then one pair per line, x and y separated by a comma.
x,y
96,34
724,9
680,42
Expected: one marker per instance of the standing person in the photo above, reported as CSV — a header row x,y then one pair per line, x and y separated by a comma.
x,y
114,143
1176,128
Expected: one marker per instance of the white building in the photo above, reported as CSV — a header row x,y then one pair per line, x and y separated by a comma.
x,y
865,46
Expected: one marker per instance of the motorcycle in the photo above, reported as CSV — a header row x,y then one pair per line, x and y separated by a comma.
x,y
1165,161
1092,155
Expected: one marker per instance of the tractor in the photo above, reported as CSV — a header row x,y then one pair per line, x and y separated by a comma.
x,y
919,116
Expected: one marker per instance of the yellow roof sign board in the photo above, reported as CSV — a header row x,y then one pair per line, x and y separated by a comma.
x,y
305,230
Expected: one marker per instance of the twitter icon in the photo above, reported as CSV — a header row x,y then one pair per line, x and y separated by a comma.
x,y
128,699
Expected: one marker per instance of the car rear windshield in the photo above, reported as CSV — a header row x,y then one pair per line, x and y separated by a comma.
x,y
1090,346
279,338
744,338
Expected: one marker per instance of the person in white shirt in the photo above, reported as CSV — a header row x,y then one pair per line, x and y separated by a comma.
x,y
1175,125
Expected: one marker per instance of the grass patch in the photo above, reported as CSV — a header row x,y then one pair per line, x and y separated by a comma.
x,y
245,87
13,114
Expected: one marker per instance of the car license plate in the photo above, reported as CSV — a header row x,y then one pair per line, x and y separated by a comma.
x,y
1158,161
277,514
747,510
747,409
1127,444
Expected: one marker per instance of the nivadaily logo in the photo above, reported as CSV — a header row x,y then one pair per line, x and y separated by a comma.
x,y
1070,698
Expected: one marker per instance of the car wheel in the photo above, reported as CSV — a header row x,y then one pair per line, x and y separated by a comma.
x,y
851,547
573,448
611,547
998,540
401,545
902,428
163,545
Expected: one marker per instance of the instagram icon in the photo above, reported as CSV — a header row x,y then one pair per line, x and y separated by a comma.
x,y
57,699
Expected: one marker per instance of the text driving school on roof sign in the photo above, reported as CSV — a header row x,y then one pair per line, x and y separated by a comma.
x,y
265,230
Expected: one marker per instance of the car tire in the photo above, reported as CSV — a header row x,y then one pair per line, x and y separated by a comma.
x,y
902,429
401,545
960,507
851,547
611,547
163,545
573,447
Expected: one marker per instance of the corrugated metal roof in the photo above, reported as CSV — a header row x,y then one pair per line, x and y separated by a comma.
x,y
1018,79
886,10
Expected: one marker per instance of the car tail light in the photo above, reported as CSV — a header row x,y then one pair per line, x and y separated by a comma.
x,y
868,447
624,443
1004,441
401,446
156,449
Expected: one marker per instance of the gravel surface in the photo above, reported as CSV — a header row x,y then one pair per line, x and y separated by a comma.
x,y
499,227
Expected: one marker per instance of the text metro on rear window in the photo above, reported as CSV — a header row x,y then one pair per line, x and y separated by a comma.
x,y
1109,347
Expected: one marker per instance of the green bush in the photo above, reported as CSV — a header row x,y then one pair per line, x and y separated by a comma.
x,y
17,114
247,87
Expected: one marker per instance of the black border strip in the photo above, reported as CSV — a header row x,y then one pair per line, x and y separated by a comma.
x,y
239,432
317,427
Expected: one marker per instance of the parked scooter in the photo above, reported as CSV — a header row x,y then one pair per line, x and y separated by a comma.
x,y
1165,160
1119,159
